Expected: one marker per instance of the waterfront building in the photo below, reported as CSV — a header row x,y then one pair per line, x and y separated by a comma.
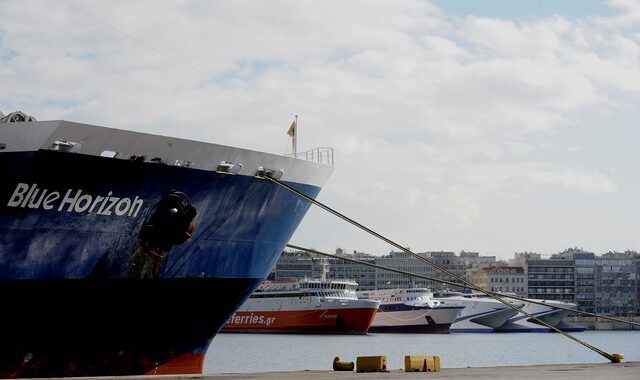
x,y
607,284
403,261
520,259
505,279
552,279
617,284
364,275
293,265
450,262
472,261
585,278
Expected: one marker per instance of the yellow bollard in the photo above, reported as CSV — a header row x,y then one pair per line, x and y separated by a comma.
x,y
371,364
342,366
421,363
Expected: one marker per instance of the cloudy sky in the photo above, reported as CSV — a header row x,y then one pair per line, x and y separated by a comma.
x,y
491,126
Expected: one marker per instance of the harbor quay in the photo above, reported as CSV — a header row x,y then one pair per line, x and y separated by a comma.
x,y
622,371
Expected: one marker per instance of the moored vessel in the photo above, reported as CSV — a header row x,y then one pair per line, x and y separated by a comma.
x,y
480,314
306,306
545,311
111,239
411,310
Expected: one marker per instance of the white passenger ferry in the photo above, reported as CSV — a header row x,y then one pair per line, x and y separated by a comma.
x,y
305,306
411,310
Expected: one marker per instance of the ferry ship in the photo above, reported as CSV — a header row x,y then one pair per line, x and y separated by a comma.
x,y
481,314
411,311
485,314
110,240
522,323
306,306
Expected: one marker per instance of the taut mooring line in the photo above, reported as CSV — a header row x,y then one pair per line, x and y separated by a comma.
x,y
613,358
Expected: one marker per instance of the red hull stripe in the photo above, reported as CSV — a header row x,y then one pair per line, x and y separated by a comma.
x,y
181,364
339,320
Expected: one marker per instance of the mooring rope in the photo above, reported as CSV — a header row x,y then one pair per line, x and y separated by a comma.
x,y
610,357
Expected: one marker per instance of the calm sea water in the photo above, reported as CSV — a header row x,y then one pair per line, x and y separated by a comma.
x,y
244,353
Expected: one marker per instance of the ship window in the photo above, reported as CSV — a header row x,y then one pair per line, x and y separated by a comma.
x,y
109,154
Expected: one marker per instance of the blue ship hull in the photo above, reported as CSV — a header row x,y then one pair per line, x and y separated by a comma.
x,y
112,326
113,267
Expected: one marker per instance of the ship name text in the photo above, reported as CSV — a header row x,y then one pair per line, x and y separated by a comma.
x,y
250,319
73,200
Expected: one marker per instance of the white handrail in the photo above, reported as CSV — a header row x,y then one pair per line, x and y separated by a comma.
x,y
321,155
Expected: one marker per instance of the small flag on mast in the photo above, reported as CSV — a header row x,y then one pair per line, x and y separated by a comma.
x,y
293,133
292,129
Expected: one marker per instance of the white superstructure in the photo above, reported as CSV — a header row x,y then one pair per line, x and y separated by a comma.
x,y
309,294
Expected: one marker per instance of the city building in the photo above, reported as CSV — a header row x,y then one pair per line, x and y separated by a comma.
x,y
520,259
607,284
292,265
585,279
403,261
552,279
364,275
616,284
504,279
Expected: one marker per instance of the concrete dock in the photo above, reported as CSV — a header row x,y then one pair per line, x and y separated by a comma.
x,y
623,371
559,371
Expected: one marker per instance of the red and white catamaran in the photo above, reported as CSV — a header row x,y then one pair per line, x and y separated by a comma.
x,y
305,306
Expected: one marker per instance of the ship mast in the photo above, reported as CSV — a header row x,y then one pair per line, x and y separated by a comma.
x,y
295,135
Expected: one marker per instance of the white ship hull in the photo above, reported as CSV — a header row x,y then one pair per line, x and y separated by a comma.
x,y
411,311
522,323
480,315
418,320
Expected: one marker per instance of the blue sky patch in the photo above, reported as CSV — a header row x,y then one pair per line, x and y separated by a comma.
x,y
522,10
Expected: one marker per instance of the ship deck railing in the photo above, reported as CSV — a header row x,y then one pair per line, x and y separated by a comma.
x,y
321,155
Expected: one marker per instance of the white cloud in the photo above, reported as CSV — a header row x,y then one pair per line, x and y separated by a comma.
x,y
434,119
630,15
